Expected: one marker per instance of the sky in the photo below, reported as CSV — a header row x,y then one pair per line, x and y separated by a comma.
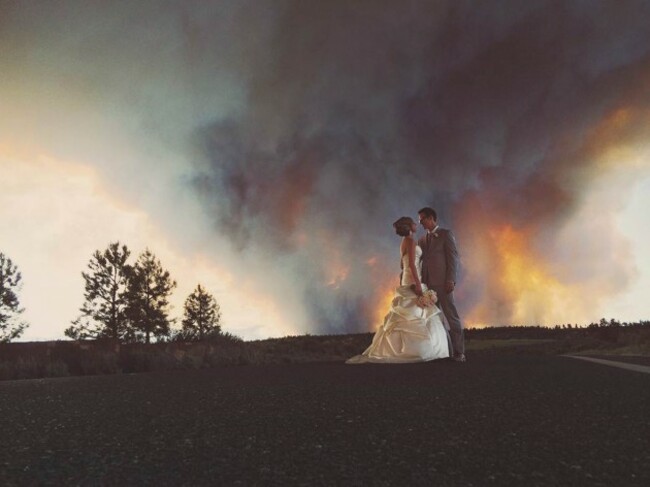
x,y
264,148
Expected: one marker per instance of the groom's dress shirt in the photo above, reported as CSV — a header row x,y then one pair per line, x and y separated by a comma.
x,y
431,234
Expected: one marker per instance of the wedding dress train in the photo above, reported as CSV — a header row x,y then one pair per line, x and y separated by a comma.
x,y
409,333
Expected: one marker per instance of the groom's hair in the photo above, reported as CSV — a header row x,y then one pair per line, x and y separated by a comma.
x,y
427,212
403,226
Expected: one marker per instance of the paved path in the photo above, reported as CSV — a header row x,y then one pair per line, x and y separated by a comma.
x,y
614,363
496,420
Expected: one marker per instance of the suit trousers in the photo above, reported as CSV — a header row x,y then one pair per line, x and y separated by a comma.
x,y
448,306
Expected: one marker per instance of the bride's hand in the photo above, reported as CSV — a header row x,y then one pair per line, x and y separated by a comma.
x,y
417,288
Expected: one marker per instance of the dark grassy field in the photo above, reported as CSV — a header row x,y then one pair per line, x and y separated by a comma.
x,y
502,418
69,358
289,412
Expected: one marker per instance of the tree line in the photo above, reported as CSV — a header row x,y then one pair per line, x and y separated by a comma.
x,y
123,301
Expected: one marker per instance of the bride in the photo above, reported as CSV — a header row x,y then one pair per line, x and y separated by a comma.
x,y
412,330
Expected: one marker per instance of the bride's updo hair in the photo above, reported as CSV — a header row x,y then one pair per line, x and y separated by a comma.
x,y
403,226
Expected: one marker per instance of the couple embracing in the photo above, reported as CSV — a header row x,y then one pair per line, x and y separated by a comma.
x,y
413,330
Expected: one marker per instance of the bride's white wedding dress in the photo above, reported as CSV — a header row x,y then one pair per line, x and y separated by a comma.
x,y
409,333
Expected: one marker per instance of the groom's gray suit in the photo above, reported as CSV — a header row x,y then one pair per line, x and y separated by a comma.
x,y
440,264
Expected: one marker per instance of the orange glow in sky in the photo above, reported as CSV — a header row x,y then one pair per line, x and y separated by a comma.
x,y
56,213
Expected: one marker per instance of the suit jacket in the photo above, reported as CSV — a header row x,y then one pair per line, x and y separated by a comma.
x,y
440,259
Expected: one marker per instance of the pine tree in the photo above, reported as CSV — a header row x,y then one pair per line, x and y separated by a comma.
x,y
149,289
10,310
202,315
103,314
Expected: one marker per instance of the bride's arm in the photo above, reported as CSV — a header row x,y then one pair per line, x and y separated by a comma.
x,y
411,253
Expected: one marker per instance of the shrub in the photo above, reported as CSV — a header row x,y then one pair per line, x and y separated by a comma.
x,y
100,363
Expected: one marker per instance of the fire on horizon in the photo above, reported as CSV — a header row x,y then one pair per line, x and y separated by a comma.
x,y
264,148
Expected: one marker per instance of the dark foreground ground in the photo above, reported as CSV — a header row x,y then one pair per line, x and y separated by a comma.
x,y
496,420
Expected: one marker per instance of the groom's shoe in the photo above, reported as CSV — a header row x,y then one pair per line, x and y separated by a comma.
x,y
460,358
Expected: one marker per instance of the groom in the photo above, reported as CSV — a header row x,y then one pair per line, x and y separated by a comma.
x,y
439,270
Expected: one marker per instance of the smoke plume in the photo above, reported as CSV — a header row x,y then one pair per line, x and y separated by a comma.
x,y
498,115
304,129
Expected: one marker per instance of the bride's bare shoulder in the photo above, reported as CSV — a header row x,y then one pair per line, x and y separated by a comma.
x,y
408,245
